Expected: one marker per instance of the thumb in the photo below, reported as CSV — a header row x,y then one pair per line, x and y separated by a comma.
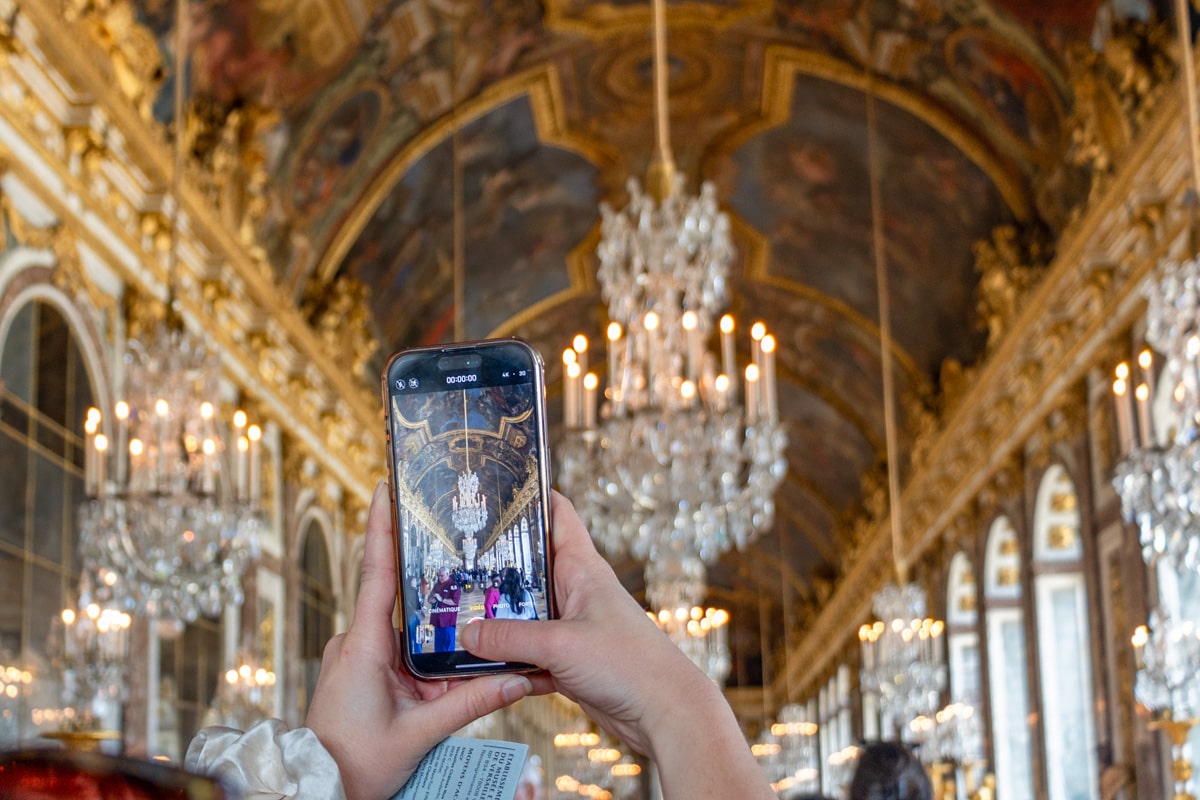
x,y
465,702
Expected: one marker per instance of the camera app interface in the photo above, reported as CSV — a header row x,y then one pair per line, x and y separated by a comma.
x,y
468,492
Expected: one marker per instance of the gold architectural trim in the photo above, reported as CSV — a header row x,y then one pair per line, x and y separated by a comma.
x,y
600,20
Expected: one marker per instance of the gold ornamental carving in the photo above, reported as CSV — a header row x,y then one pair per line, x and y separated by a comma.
x,y
132,51
340,315
1006,274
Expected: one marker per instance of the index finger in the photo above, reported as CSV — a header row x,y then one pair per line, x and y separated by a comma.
x,y
377,589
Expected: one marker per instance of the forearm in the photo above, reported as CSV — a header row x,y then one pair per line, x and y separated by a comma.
x,y
701,752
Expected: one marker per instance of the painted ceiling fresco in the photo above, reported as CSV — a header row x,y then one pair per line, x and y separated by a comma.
x,y
367,109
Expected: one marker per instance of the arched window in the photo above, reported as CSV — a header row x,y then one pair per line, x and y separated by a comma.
x,y
45,392
1006,663
962,632
1063,641
317,606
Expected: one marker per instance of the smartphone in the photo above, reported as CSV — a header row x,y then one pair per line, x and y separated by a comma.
x,y
467,460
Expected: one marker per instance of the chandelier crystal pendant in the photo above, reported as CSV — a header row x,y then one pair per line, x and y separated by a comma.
x,y
170,522
470,511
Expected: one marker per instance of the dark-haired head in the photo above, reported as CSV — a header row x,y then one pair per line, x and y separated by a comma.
x,y
889,771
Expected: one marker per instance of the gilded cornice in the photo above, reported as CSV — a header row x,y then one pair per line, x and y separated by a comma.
x,y
112,194
1089,295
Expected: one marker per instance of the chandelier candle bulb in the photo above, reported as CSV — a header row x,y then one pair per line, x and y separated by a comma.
x,y
691,328
1124,411
768,350
728,360
580,346
1145,424
751,394
254,434
242,468
590,384
1146,362
101,455
571,415
614,372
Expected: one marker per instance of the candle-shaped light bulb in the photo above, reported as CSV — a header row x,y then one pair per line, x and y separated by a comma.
x,y
1124,408
590,383
757,331
687,390
162,407
239,419
92,610
728,364
254,433
91,423
136,447
101,443
580,345
650,321
1145,425
614,359
231,677
768,388
751,394
689,320
1145,359
569,356
121,409
68,616
572,414
206,410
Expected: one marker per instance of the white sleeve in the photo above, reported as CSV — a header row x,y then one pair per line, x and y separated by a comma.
x,y
267,761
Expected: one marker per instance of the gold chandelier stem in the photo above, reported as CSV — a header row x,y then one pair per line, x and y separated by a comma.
x,y
662,169
885,336
1188,57
177,160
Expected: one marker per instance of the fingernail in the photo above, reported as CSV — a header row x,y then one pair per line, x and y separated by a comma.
x,y
515,688
380,488
469,636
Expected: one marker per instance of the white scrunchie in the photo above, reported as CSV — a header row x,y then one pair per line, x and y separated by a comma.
x,y
267,761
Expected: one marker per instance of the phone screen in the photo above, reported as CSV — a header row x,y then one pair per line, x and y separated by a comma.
x,y
467,442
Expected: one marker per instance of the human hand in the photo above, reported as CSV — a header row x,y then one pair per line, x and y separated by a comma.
x,y
603,651
375,719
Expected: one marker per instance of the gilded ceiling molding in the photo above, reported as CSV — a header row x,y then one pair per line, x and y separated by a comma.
x,y
543,87
600,20
1062,331
111,193
823,546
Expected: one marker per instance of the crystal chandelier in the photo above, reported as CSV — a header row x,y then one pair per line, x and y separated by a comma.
x,y
89,649
245,696
675,586
470,509
787,752
902,658
679,457
170,523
